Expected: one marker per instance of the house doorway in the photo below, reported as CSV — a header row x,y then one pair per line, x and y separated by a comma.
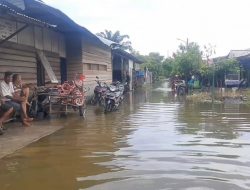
x,y
40,73
63,69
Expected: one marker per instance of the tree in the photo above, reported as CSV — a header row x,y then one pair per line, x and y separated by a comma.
x,y
167,67
122,40
226,66
153,61
209,50
187,62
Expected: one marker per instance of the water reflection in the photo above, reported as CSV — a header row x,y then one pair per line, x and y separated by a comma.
x,y
155,141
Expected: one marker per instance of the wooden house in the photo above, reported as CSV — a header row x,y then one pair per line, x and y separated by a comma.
x,y
22,37
43,44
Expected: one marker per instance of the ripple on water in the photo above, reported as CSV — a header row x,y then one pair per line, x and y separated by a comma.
x,y
143,146
163,154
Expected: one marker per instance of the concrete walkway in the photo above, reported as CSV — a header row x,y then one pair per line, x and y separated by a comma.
x,y
16,137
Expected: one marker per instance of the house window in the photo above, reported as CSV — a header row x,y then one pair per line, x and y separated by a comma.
x,y
102,67
95,67
88,66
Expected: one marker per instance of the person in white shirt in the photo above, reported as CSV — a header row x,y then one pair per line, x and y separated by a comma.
x,y
7,91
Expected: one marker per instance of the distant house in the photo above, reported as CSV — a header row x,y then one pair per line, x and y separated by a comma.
x,y
43,44
122,62
243,58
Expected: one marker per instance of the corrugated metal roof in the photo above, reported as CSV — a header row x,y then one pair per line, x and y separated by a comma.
x,y
117,50
21,15
46,13
41,12
126,54
238,53
107,42
18,3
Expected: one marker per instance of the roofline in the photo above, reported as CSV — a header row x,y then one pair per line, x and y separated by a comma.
x,y
23,17
129,56
41,13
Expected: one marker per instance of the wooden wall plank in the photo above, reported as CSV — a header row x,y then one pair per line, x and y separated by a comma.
x,y
15,63
26,37
33,36
18,69
7,27
23,64
14,46
38,31
17,57
47,40
54,42
16,52
62,48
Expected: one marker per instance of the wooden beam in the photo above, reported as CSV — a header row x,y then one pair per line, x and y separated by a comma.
x,y
47,66
15,33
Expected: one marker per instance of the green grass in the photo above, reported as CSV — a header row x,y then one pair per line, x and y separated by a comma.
x,y
220,96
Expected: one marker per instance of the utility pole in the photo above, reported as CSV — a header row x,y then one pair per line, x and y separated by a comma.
x,y
209,51
213,84
185,41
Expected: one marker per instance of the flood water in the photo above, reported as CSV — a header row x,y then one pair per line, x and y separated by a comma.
x,y
156,141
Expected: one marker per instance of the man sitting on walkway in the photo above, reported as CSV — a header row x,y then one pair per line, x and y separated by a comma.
x,y
7,91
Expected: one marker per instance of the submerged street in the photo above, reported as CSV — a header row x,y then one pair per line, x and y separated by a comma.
x,y
155,141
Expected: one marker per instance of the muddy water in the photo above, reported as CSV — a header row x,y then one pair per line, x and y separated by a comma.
x,y
155,141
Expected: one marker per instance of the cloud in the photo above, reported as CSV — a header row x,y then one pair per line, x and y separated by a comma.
x,y
155,25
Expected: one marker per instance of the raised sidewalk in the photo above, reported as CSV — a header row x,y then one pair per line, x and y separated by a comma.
x,y
16,137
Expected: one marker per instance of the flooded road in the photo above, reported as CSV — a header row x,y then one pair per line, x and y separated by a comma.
x,y
154,142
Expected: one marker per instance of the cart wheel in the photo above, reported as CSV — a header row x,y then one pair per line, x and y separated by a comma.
x,y
82,111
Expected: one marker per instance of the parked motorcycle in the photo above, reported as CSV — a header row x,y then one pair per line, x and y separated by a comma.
x,y
179,87
99,93
113,97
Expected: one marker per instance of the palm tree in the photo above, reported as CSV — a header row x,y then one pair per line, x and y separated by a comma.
x,y
125,44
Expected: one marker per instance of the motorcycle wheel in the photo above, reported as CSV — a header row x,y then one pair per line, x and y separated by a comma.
x,y
93,101
181,91
101,101
108,108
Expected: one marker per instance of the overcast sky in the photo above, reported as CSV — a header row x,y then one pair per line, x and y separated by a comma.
x,y
156,25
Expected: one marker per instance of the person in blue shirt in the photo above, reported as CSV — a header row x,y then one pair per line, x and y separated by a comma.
x,y
191,83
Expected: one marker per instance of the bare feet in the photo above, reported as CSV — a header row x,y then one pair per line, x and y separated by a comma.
x,y
26,124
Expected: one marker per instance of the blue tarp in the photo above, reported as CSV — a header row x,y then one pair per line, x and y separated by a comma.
x,y
140,74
